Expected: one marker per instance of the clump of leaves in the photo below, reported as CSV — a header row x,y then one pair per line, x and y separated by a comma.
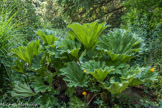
x,y
120,45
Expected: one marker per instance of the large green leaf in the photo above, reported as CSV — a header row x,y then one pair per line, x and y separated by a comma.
x,y
135,82
88,33
26,53
120,78
100,74
120,45
117,87
22,91
128,72
75,102
144,76
39,86
47,39
68,47
91,65
19,66
97,69
74,75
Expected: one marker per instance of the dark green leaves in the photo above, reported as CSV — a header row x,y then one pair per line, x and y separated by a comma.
x,y
97,69
120,45
75,102
120,78
68,47
47,39
22,90
26,53
74,75
144,76
39,86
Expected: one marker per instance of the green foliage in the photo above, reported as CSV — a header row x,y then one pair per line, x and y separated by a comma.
x,y
91,65
39,86
47,39
47,100
77,103
49,13
8,31
145,75
120,45
120,79
68,46
26,15
143,7
31,61
9,36
87,34
55,64
116,87
22,90
143,17
99,74
97,70
27,53
74,75
84,11
19,66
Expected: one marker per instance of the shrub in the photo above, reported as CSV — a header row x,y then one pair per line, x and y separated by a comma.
x,y
77,64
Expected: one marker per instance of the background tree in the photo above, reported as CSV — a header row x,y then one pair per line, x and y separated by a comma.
x,y
88,11
26,15
143,17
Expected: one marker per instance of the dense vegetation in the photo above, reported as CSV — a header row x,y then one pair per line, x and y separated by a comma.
x,y
80,53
